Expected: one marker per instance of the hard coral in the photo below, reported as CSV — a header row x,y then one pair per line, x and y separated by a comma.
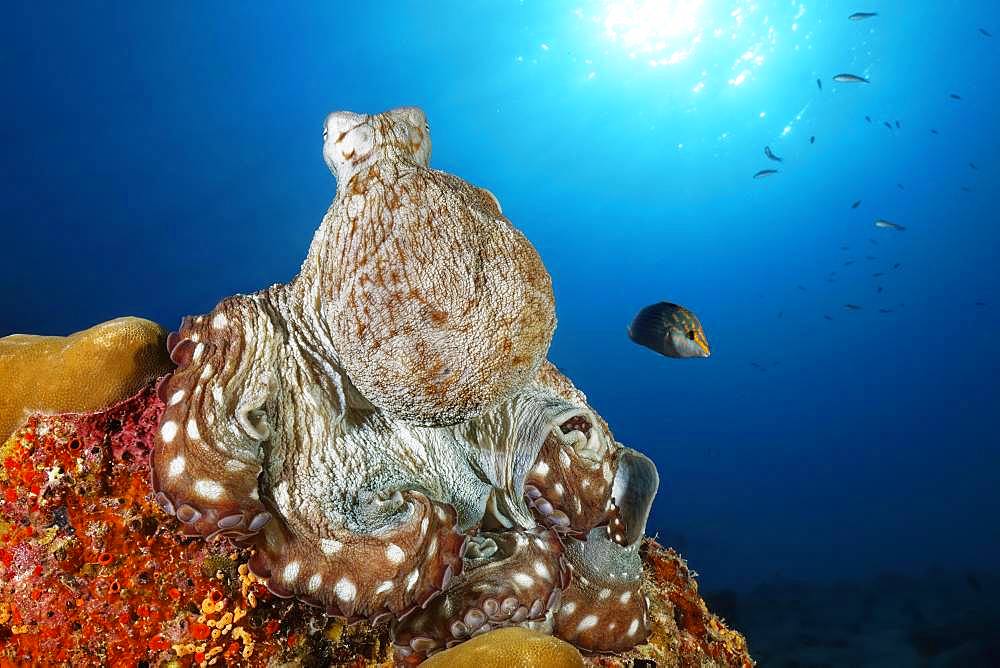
x,y
509,648
80,372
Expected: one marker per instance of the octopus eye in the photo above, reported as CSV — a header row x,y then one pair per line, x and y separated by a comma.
x,y
324,133
690,334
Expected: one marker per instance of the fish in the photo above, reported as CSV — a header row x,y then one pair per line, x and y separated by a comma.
x,y
870,257
812,140
955,96
877,274
898,125
872,241
764,173
973,166
980,303
885,310
848,263
670,330
849,78
889,225
934,132
770,154
852,307
781,314
826,317
801,287
887,124
966,189
856,204
819,84
868,118
900,186
879,290
845,247
897,265
861,16
985,33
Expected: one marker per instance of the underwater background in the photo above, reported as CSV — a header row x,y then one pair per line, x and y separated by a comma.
x,y
157,158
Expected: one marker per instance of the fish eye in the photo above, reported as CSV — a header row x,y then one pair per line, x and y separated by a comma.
x,y
690,334
324,133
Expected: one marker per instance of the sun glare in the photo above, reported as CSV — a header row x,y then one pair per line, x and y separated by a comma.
x,y
651,27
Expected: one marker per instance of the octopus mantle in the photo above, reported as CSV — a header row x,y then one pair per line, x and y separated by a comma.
x,y
385,429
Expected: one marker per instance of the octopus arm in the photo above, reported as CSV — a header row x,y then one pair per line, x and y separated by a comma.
x,y
387,570
603,609
207,453
511,579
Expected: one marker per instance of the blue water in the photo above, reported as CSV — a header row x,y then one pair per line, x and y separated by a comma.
x,y
157,159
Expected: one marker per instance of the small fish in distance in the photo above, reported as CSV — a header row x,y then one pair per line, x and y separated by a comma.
x,y
955,96
973,166
887,124
801,287
765,173
861,16
870,257
848,263
897,265
872,241
879,290
868,118
898,126
985,33
877,274
670,330
849,78
812,140
770,154
819,84
900,186
856,204
980,303
934,132
885,224
965,189
826,317
852,307
885,310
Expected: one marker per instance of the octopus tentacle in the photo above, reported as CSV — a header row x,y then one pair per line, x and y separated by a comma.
x,y
570,483
512,578
362,575
603,609
207,454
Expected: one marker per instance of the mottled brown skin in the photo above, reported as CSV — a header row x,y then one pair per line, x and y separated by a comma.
x,y
81,372
438,307
372,427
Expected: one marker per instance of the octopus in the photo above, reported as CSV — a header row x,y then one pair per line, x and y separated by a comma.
x,y
385,429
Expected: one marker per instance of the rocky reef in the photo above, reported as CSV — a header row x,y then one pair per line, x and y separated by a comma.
x,y
373,463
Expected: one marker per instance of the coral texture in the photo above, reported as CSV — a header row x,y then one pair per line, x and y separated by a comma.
x,y
509,648
80,372
93,573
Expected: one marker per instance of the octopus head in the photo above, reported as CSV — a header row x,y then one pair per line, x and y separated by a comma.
x,y
353,141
